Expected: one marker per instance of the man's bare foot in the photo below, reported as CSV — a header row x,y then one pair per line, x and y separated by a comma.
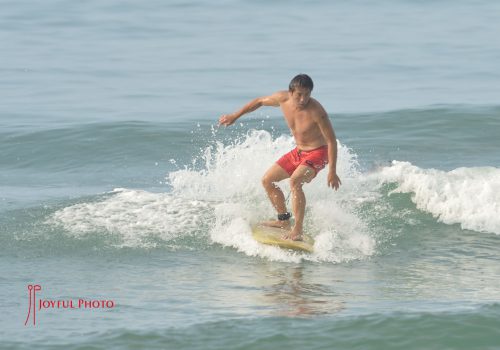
x,y
284,224
294,235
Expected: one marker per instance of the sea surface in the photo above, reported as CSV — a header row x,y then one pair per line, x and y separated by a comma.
x,y
119,191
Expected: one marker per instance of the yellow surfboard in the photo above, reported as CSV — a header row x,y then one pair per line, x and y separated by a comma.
x,y
272,235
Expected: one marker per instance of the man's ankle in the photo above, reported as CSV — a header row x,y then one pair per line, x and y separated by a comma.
x,y
284,217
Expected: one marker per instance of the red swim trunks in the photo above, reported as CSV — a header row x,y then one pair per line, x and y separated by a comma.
x,y
316,158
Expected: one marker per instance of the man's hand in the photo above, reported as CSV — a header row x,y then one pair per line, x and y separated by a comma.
x,y
227,119
333,180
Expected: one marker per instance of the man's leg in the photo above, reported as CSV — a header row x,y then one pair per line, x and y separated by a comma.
x,y
275,174
303,174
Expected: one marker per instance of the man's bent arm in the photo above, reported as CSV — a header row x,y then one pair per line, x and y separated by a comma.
x,y
329,134
332,153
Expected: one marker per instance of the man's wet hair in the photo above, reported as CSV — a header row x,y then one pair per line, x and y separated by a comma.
x,y
301,80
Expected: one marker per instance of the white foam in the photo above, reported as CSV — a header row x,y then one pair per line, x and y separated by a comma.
x,y
466,196
232,177
135,216
231,171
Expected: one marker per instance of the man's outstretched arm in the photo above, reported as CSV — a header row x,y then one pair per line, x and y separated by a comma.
x,y
272,100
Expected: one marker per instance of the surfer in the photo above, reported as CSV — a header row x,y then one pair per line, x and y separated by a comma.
x,y
316,147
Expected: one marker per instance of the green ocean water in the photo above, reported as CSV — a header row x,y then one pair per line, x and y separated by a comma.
x,y
116,184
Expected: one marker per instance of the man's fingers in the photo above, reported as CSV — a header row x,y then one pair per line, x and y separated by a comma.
x,y
334,184
223,121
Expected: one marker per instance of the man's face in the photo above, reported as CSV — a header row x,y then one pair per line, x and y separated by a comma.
x,y
300,97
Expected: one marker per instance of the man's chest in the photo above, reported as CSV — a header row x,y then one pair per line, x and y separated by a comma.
x,y
299,121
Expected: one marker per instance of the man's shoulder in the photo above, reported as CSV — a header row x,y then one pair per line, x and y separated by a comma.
x,y
275,100
317,108
281,96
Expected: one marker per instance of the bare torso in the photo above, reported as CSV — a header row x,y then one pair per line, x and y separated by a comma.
x,y
303,122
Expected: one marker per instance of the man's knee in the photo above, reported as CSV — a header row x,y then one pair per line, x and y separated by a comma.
x,y
296,183
267,181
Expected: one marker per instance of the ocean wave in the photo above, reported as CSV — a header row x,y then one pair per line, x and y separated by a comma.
x,y
466,196
219,197
222,200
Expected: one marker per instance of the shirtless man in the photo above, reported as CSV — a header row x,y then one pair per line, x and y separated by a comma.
x,y
316,147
